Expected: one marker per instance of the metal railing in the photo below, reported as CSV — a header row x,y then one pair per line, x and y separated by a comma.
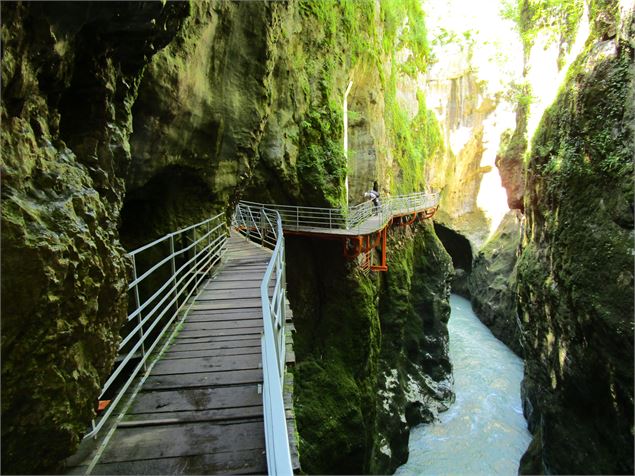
x,y
265,227
174,267
296,218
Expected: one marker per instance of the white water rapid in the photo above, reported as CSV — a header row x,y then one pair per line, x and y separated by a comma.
x,y
484,431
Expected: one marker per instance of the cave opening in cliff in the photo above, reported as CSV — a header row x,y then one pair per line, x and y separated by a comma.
x,y
173,198
457,246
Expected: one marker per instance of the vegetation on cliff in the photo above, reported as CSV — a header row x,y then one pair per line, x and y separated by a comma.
x,y
575,272
413,368
341,315
69,79
492,282
125,121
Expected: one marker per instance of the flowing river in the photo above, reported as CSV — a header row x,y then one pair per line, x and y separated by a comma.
x,y
484,431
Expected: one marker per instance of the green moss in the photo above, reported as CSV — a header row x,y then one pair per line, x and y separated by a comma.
x,y
415,141
560,18
321,162
337,347
347,33
413,308
575,272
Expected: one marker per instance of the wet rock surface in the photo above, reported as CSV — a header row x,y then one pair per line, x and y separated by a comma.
x,y
415,373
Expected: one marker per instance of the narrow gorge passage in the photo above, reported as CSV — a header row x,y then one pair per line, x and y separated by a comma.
x,y
484,431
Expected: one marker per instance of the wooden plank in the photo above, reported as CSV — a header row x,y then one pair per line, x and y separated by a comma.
x,y
214,312
213,339
203,325
233,277
210,398
202,316
214,285
240,293
227,304
251,461
203,379
216,345
207,364
227,415
183,440
188,354
220,332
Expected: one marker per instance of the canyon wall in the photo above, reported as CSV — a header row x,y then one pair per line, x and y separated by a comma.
x,y
69,79
575,272
124,121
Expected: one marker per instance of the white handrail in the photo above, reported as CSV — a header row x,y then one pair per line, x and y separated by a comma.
x,y
273,338
297,218
145,328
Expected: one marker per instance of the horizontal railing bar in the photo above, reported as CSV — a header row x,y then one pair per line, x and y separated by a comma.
x,y
146,333
221,241
165,237
166,260
208,254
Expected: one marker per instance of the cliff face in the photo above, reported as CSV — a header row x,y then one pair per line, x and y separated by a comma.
x,y
414,370
124,121
371,350
492,282
575,273
69,79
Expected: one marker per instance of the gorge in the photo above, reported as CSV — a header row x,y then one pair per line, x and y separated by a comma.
x,y
124,121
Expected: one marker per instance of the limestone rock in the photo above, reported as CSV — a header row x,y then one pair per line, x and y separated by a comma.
x,y
575,272
65,127
509,160
492,283
415,380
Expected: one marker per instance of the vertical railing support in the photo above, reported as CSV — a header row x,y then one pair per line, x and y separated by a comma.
x,y
137,306
173,271
263,224
195,245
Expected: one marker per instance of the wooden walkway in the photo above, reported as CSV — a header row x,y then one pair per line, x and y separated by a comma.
x,y
200,410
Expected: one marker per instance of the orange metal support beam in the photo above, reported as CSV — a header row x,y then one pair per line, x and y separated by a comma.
x,y
353,246
384,265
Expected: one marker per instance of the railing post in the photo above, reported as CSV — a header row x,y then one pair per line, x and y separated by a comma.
x,y
297,218
330,218
138,305
173,270
195,253
209,244
263,224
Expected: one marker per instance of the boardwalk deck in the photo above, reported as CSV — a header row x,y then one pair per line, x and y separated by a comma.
x,y
200,410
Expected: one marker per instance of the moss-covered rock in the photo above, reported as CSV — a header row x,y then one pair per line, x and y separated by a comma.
x,y
492,283
371,350
575,271
125,121
510,159
65,127
337,345
414,368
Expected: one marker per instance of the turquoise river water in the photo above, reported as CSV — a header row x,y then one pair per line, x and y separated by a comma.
x,y
484,431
